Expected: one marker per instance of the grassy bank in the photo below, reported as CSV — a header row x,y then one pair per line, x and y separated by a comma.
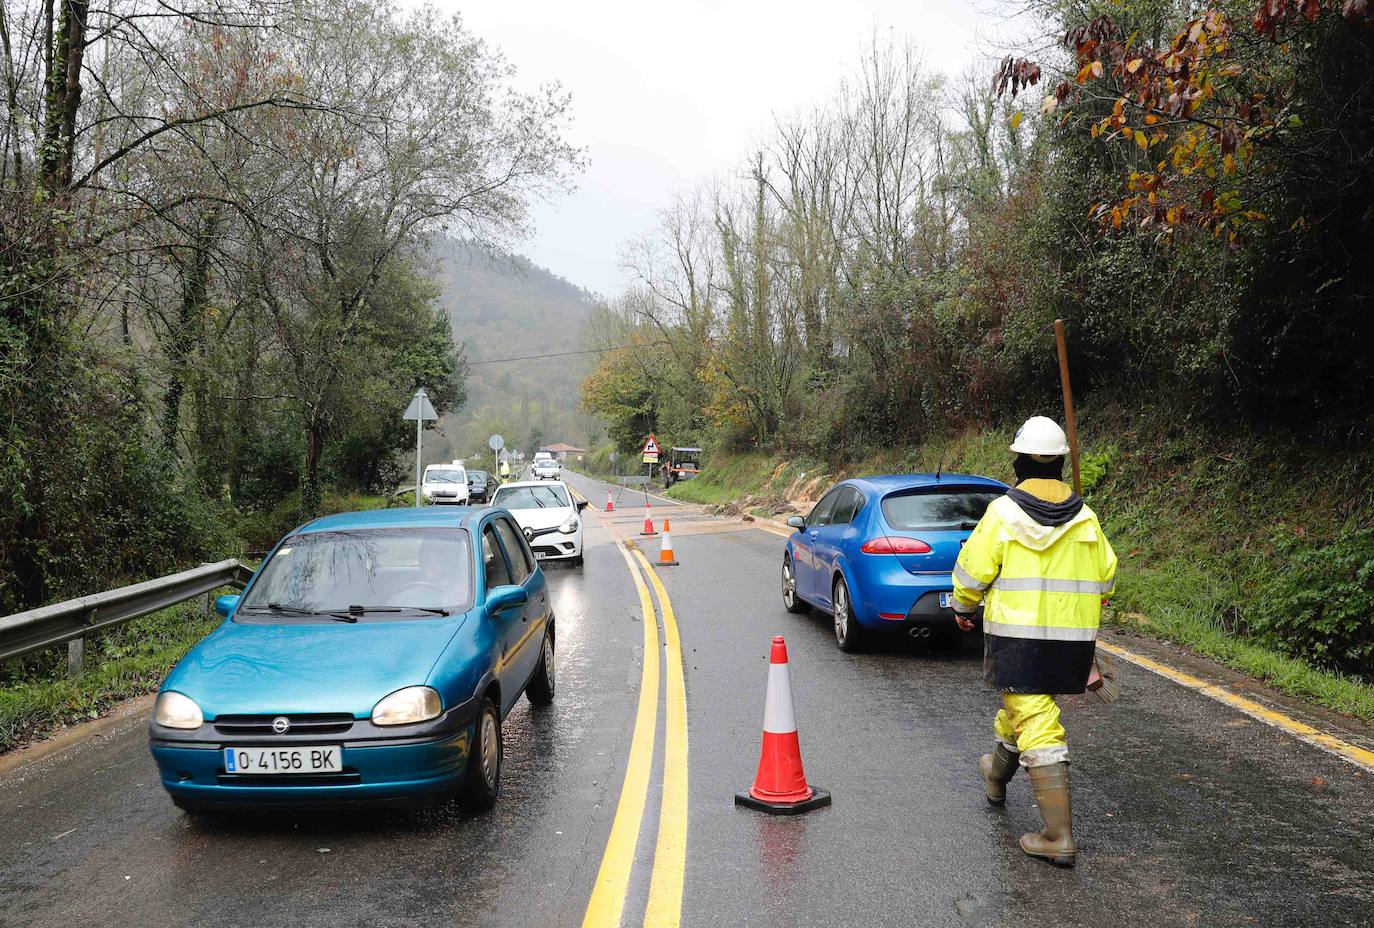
x,y
36,696
1258,556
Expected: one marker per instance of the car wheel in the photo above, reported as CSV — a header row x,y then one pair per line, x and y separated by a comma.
x,y
482,783
790,600
848,632
541,687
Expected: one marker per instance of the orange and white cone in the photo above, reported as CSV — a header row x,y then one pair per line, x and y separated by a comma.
x,y
780,785
610,503
665,551
648,521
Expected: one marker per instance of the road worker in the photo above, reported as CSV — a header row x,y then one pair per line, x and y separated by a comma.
x,y
505,470
1041,565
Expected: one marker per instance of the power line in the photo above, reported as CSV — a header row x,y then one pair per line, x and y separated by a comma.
x,y
564,354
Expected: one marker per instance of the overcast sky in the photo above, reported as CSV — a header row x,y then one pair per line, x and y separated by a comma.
x,y
665,95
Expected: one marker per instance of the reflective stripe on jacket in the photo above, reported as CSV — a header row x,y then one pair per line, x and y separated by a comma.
x,y
1043,587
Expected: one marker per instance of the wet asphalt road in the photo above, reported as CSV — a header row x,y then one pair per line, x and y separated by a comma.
x,y
1187,812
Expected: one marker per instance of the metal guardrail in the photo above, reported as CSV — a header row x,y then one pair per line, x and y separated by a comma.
x,y
69,621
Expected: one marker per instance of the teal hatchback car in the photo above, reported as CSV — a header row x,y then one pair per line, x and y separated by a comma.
x,y
372,657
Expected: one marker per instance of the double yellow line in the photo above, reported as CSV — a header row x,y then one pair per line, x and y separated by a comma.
x,y
606,908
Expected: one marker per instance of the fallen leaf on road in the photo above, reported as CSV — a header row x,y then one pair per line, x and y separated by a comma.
x,y
1318,782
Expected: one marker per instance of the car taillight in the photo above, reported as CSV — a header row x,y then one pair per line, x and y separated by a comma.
x,y
895,544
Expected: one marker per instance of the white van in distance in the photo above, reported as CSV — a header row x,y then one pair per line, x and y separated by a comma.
x,y
445,483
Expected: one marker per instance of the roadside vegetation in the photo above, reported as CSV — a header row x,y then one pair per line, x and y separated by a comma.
x,y
215,293
37,697
1190,188
217,230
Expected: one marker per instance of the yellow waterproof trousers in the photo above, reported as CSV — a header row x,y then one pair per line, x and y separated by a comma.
x,y
1029,724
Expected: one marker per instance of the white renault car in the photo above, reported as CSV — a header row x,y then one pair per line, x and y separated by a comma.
x,y
445,483
547,514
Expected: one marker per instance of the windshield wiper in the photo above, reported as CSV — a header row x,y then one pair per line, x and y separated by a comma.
x,y
278,607
363,610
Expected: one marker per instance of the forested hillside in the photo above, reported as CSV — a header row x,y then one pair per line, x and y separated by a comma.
x,y
502,306
214,298
1190,187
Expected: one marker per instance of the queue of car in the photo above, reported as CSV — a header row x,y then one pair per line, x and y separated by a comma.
x,y
373,656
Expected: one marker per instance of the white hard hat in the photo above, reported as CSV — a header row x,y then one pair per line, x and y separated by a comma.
x,y
1041,438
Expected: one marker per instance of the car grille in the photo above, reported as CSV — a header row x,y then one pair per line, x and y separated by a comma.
x,y
324,723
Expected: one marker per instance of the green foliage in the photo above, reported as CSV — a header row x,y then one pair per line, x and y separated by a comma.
x,y
36,696
1320,605
1094,466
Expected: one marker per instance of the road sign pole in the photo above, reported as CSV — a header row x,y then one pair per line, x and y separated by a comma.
x,y
420,409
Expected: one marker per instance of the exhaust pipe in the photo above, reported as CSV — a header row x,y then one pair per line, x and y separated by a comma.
x,y
919,631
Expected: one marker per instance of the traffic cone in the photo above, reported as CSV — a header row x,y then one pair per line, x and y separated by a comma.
x,y
648,521
665,551
610,503
780,786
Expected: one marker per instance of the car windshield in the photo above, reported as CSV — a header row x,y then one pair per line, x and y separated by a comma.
x,y
531,498
940,510
399,573
445,476
477,476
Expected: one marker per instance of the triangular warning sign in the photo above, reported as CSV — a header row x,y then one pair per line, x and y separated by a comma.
x,y
650,446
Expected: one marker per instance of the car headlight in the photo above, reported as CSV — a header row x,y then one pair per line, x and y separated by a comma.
x,y
174,710
407,706
568,527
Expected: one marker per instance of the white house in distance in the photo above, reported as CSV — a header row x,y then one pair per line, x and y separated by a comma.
x,y
561,450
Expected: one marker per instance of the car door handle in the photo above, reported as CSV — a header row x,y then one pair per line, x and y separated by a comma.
x,y
814,535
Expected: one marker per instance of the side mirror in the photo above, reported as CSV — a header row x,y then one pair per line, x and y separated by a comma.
x,y
506,597
226,604
581,504
796,522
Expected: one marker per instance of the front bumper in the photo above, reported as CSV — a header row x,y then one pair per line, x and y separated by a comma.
x,y
406,763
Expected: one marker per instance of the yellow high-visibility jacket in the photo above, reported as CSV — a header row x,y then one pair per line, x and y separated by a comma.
x,y
1043,586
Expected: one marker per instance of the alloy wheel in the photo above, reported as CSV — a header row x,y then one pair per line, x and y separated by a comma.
x,y
789,584
841,612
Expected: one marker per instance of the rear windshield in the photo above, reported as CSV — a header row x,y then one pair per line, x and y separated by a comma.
x,y
947,510
411,571
531,498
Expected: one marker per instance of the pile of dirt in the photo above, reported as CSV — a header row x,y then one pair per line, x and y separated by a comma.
x,y
747,505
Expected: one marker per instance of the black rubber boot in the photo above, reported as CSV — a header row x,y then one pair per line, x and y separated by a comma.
x,y
997,769
1055,843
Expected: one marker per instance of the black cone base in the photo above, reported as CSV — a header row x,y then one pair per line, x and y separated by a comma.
x,y
819,798
665,563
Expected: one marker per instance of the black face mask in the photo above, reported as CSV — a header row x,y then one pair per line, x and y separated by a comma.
x,y
1028,468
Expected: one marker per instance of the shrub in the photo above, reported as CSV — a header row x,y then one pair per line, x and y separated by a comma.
x,y
1318,602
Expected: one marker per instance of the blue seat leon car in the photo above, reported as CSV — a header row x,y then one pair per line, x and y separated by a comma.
x,y
877,552
372,657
